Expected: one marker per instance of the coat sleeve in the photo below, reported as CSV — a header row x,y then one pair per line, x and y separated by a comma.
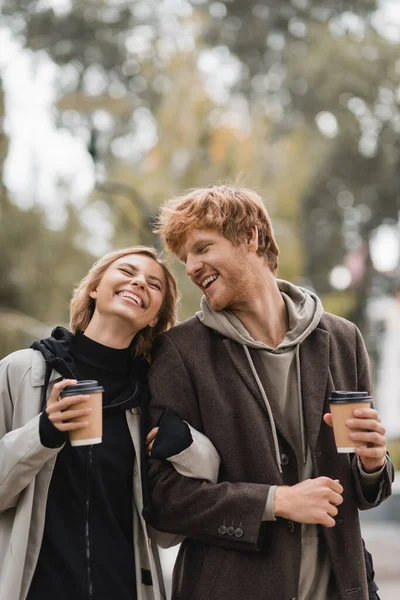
x,y
21,453
369,495
195,507
200,460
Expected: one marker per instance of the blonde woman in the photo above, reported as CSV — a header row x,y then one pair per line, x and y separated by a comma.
x,y
71,523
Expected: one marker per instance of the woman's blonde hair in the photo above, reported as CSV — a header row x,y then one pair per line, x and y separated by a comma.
x,y
82,305
230,210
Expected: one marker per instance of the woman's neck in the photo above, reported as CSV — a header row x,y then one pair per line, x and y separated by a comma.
x,y
109,333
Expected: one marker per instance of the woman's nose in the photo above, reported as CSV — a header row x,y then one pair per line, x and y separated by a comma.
x,y
139,281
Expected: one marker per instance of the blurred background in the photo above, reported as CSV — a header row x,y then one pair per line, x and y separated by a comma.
x,y
108,107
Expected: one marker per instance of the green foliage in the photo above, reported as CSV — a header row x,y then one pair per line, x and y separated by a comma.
x,y
298,60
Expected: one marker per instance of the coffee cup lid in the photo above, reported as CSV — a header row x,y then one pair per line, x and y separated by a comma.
x,y
85,386
338,397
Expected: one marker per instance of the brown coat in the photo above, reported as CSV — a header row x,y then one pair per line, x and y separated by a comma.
x,y
228,554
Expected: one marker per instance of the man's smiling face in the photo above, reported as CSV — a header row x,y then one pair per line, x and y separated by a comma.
x,y
218,267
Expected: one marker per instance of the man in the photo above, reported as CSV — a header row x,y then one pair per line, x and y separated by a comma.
x,y
253,370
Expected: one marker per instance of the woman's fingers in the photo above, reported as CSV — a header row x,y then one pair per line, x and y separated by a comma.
x,y
64,403
68,415
71,425
63,412
57,387
151,435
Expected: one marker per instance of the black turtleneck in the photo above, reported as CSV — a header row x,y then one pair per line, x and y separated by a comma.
x,y
87,549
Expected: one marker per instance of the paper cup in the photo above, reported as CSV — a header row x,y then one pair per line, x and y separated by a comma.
x,y
342,405
92,434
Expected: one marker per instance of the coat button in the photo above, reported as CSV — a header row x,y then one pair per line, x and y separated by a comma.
x,y
284,459
239,532
222,529
230,530
291,526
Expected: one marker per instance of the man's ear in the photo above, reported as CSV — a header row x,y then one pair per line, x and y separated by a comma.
x,y
252,239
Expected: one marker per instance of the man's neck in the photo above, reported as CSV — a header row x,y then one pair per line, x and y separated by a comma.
x,y
265,317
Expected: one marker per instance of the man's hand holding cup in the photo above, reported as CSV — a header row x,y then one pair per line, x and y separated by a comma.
x,y
358,428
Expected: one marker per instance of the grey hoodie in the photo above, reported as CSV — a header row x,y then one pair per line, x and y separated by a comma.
x,y
282,368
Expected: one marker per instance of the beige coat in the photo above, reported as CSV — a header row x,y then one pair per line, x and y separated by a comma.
x,y
26,468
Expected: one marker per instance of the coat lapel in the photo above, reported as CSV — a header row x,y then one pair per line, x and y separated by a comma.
x,y
314,368
236,352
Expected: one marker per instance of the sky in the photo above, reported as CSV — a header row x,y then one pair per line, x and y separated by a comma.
x,y
42,153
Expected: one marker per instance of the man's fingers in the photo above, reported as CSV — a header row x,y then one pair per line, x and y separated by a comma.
x,y
328,419
369,437
366,413
375,452
331,484
332,511
366,425
328,521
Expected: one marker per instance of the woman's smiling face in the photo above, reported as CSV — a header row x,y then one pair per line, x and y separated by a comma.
x,y
133,289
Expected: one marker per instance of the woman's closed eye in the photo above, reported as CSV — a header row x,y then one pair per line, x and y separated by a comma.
x,y
126,272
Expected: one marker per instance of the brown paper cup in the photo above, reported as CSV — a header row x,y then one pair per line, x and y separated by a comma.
x,y
92,434
342,406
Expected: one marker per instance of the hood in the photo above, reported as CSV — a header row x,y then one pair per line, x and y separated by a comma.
x,y
304,311
56,351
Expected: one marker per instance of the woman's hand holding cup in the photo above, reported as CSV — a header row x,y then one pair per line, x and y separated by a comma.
x,y
60,411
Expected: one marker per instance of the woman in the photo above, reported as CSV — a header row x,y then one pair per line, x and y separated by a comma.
x,y
67,528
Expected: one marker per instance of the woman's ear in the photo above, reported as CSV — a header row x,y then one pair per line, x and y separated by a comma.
x,y
154,321
93,294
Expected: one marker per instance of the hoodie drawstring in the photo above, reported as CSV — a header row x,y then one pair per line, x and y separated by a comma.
x,y
269,410
301,412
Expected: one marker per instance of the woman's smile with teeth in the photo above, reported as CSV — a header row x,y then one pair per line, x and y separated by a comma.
x,y
132,297
208,281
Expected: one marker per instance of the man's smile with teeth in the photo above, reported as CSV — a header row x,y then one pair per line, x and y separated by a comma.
x,y
208,281
132,297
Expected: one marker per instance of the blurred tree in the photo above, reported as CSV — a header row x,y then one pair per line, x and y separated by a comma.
x,y
302,99
321,68
38,270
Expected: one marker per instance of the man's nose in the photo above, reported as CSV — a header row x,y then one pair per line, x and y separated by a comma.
x,y
193,266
